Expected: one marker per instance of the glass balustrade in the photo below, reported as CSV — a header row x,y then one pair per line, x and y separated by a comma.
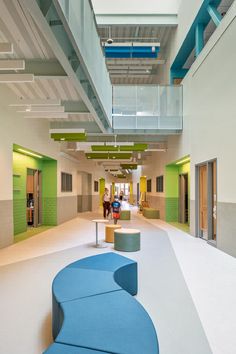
x,y
147,108
88,62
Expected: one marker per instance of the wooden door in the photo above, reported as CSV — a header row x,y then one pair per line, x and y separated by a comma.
x,y
137,193
214,201
37,198
30,184
183,198
203,198
36,201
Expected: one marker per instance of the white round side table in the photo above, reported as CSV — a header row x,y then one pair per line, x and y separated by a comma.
x,y
99,221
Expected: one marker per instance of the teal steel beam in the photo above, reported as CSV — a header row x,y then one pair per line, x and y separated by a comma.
x,y
215,15
199,38
177,74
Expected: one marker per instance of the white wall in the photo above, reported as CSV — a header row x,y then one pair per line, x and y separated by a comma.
x,y
29,133
210,126
209,105
135,6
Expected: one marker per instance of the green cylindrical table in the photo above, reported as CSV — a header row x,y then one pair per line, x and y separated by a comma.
x,y
125,215
127,240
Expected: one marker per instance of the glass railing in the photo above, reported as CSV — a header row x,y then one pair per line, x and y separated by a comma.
x,y
87,59
155,108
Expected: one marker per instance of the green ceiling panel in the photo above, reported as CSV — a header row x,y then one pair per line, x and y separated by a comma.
x,y
104,148
135,147
69,136
129,166
108,156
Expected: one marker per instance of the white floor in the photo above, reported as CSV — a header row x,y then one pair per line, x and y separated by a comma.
x,y
210,276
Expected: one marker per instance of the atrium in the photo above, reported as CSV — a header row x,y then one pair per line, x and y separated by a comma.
x,y
117,189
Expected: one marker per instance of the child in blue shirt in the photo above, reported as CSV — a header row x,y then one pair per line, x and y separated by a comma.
x,y
115,210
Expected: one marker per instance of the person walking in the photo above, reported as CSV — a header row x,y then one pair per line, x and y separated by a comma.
x,y
115,210
106,203
121,195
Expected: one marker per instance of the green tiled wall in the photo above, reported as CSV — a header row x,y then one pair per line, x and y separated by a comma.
x,y
172,209
172,173
50,211
49,189
19,213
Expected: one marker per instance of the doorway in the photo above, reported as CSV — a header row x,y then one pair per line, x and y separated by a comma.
x,y
122,190
137,193
84,197
206,200
183,199
34,198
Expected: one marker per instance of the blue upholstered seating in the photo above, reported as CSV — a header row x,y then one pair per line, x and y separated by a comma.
x,y
58,348
94,312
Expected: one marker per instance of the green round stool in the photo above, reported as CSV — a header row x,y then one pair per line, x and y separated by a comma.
x,y
151,213
127,240
125,215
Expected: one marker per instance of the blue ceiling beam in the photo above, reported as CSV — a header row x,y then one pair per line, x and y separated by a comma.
x,y
131,51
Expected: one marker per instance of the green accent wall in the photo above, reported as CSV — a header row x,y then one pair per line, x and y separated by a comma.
x,y
49,186
172,173
48,167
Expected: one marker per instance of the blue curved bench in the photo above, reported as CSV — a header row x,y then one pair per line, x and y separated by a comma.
x,y
94,311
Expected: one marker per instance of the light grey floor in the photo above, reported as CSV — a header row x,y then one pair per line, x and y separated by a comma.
x,y
25,296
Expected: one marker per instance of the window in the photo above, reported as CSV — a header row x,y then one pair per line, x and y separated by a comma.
x,y
149,185
95,186
160,184
66,182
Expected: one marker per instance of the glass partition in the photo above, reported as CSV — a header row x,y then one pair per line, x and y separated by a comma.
x,y
81,21
147,107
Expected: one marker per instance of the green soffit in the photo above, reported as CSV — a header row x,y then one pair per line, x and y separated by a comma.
x,y
30,153
69,136
182,161
108,156
135,147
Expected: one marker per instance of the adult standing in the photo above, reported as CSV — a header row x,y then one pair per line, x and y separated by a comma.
x,y
106,203
121,195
